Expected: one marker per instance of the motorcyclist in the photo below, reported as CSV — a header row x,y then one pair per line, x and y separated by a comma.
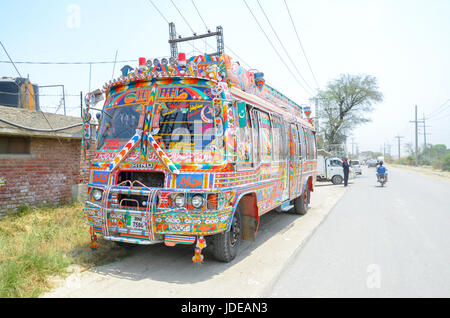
x,y
382,170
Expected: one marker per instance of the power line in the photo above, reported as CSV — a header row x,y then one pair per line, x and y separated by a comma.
x,y
276,51
300,42
282,45
204,23
10,59
182,16
162,15
68,63
439,110
46,119
228,48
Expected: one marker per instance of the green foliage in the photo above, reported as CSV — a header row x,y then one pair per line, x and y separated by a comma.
x,y
344,105
438,156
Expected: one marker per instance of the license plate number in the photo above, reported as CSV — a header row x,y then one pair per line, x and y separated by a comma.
x,y
137,222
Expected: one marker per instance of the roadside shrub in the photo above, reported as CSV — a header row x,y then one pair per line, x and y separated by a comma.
x,y
446,163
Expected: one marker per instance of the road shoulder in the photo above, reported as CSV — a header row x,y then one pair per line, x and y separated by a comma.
x,y
168,272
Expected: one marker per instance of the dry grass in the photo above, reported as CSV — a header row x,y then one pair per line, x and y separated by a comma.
x,y
37,244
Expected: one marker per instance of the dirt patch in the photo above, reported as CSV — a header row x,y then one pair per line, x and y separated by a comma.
x,y
427,170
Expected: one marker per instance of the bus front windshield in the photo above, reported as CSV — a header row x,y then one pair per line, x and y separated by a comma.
x,y
118,124
188,130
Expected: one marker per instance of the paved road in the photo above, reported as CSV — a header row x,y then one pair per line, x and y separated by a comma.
x,y
160,271
377,242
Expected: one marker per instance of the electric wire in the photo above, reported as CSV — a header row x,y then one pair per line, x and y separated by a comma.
x,y
227,47
41,130
282,45
439,110
276,51
67,63
300,42
45,117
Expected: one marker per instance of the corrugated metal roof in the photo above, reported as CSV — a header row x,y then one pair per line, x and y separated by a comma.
x,y
36,120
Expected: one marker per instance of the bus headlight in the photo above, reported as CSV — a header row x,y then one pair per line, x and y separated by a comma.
x,y
197,201
97,194
179,200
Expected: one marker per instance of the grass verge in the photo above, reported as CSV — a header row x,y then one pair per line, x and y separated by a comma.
x,y
40,243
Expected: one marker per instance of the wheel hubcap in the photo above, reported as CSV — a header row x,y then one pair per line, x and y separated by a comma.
x,y
235,232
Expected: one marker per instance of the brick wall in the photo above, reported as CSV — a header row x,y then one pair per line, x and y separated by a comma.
x,y
44,176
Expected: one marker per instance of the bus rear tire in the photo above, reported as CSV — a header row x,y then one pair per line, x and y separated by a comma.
x,y
301,203
225,245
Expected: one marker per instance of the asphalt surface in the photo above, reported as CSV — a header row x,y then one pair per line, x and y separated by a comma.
x,y
160,271
377,242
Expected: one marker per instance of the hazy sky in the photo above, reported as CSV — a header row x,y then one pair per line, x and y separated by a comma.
x,y
404,44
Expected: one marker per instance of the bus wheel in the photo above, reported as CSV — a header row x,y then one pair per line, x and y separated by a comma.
x,y
225,245
301,203
337,179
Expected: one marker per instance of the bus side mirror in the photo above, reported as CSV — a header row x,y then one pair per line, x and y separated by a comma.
x,y
98,115
242,114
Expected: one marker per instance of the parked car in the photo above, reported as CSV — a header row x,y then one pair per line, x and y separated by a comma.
x,y
372,163
356,165
330,169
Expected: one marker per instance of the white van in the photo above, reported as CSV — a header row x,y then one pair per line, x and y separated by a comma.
x,y
330,169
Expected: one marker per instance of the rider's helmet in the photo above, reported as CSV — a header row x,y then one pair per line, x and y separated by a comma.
x,y
381,162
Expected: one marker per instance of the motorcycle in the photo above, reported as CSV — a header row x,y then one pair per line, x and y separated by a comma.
x,y
382,179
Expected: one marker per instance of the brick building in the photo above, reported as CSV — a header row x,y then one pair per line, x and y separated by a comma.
x,y
39,161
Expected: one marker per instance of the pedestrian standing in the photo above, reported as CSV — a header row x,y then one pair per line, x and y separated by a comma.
x,y
346,168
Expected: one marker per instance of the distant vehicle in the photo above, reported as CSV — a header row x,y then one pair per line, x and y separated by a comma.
x,y
330,169
380,158
371,163
382,179
356,165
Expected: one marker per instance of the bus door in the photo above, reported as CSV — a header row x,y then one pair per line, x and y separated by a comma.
x,y
303,155
293,160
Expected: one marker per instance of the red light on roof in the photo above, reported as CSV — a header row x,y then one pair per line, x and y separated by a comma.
x,y
142,61
182,56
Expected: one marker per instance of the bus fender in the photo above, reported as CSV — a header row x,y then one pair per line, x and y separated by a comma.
x,y
250,217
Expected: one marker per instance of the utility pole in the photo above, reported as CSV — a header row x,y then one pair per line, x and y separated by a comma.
x,y
353,149
316,113
415,121
398,138
424,135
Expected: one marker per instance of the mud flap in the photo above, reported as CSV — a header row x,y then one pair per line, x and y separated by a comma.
x,y
249,227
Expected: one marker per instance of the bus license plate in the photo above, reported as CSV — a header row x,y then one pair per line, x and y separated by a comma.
x,y
137,222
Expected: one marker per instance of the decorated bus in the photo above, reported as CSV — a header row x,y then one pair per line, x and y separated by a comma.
x,y
194,151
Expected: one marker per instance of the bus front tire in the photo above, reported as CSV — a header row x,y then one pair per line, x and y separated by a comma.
x,y
226,244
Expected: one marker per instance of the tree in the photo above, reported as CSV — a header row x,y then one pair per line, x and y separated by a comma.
x,y
344,105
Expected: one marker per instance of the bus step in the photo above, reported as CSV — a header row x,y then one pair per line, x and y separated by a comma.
x,y
286,206
132,241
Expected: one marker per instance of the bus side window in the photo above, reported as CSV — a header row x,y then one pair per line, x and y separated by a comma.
x,y
307,144
255,133
302,141
265,129
244,143
277,128
285,140
295,143
312,144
